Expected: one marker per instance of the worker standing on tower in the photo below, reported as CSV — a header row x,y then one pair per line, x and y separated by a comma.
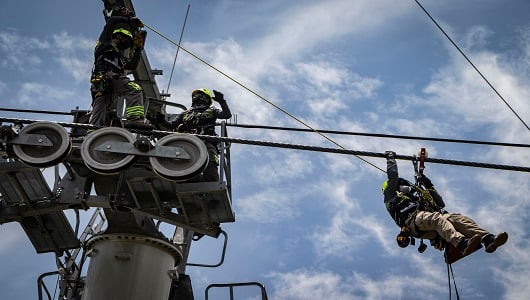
x,y
109,74
200,119
404,204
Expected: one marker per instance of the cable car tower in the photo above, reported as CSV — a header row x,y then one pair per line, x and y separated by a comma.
x,y
133,181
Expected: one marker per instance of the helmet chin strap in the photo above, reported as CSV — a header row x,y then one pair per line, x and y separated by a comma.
x,y
198,104
405,189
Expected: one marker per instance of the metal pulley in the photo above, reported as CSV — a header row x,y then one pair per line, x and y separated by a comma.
x,y
42,144
176,157
180,169
103,150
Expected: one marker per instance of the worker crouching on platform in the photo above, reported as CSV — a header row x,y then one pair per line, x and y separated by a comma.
x,y
404,204
200,119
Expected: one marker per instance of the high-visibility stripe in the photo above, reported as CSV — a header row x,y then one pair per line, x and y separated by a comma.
x,y
134,111
135,86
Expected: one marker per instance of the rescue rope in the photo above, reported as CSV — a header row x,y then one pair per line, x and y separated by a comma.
x,y
158,133
257,95
450,272
471,63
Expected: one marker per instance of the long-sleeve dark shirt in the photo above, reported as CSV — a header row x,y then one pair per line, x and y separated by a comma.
x,y
401,206
201,119
107,57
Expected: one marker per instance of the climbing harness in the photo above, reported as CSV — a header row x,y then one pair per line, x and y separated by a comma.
x,y
428,203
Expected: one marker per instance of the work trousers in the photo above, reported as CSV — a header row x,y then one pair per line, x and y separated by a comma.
x,y
211,172
452,227
120,88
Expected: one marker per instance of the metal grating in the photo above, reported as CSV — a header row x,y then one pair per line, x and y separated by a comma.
x,y
24,194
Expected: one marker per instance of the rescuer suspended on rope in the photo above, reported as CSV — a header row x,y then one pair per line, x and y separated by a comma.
x,y
409,206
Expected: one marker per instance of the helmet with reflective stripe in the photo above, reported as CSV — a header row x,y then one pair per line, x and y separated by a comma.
x,y
123,31
401,183
384,186
205,92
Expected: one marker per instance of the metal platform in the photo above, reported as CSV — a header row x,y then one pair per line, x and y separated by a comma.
x,y
201,206
27,199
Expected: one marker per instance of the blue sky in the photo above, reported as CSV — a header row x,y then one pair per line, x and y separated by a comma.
x,y
313,225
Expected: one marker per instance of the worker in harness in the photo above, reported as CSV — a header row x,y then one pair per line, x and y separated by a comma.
x,y
109,74
200,119
406,204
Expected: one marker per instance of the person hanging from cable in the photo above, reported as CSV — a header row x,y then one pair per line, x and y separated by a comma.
x,y
109,79
200,119
419,211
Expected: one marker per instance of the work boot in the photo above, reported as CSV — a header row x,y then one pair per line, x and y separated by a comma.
x,y
137,123
492,242
467,246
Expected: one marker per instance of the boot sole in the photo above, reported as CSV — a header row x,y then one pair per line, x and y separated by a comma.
x,y
497,242
474,243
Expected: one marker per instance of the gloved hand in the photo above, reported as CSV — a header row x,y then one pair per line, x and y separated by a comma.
x,y
137,23
403,239
218,96
425,181
390,154
139,39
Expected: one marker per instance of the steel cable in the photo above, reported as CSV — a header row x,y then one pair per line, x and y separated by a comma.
x,y
471,63
384,135
158,133
256,94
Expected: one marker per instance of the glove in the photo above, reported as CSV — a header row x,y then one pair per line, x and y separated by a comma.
x,y
139,39
390,154
135,22
403,240
218,96
425,181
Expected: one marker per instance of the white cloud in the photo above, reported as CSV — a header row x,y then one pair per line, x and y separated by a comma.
x,y
269,206
459,93
75,55
12,236
309,285
32,94
339,237
323,284
18,51
303,27
282,166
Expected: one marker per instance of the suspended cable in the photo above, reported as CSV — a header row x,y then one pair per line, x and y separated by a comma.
x,y
471,63
384,135
177,53
364,153
517,145
159,133
257,95
36,111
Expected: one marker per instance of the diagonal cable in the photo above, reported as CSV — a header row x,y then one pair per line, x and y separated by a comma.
x,y
177,52
471,63
257,95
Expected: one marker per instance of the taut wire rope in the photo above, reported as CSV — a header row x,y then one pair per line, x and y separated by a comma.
x,y
257,95
158,133
471,63
177,52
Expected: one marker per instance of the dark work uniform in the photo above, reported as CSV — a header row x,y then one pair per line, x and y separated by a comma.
x,y
201,120
406,210
109,77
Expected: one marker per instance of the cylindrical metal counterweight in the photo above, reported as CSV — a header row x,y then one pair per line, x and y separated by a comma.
x,y
129,266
